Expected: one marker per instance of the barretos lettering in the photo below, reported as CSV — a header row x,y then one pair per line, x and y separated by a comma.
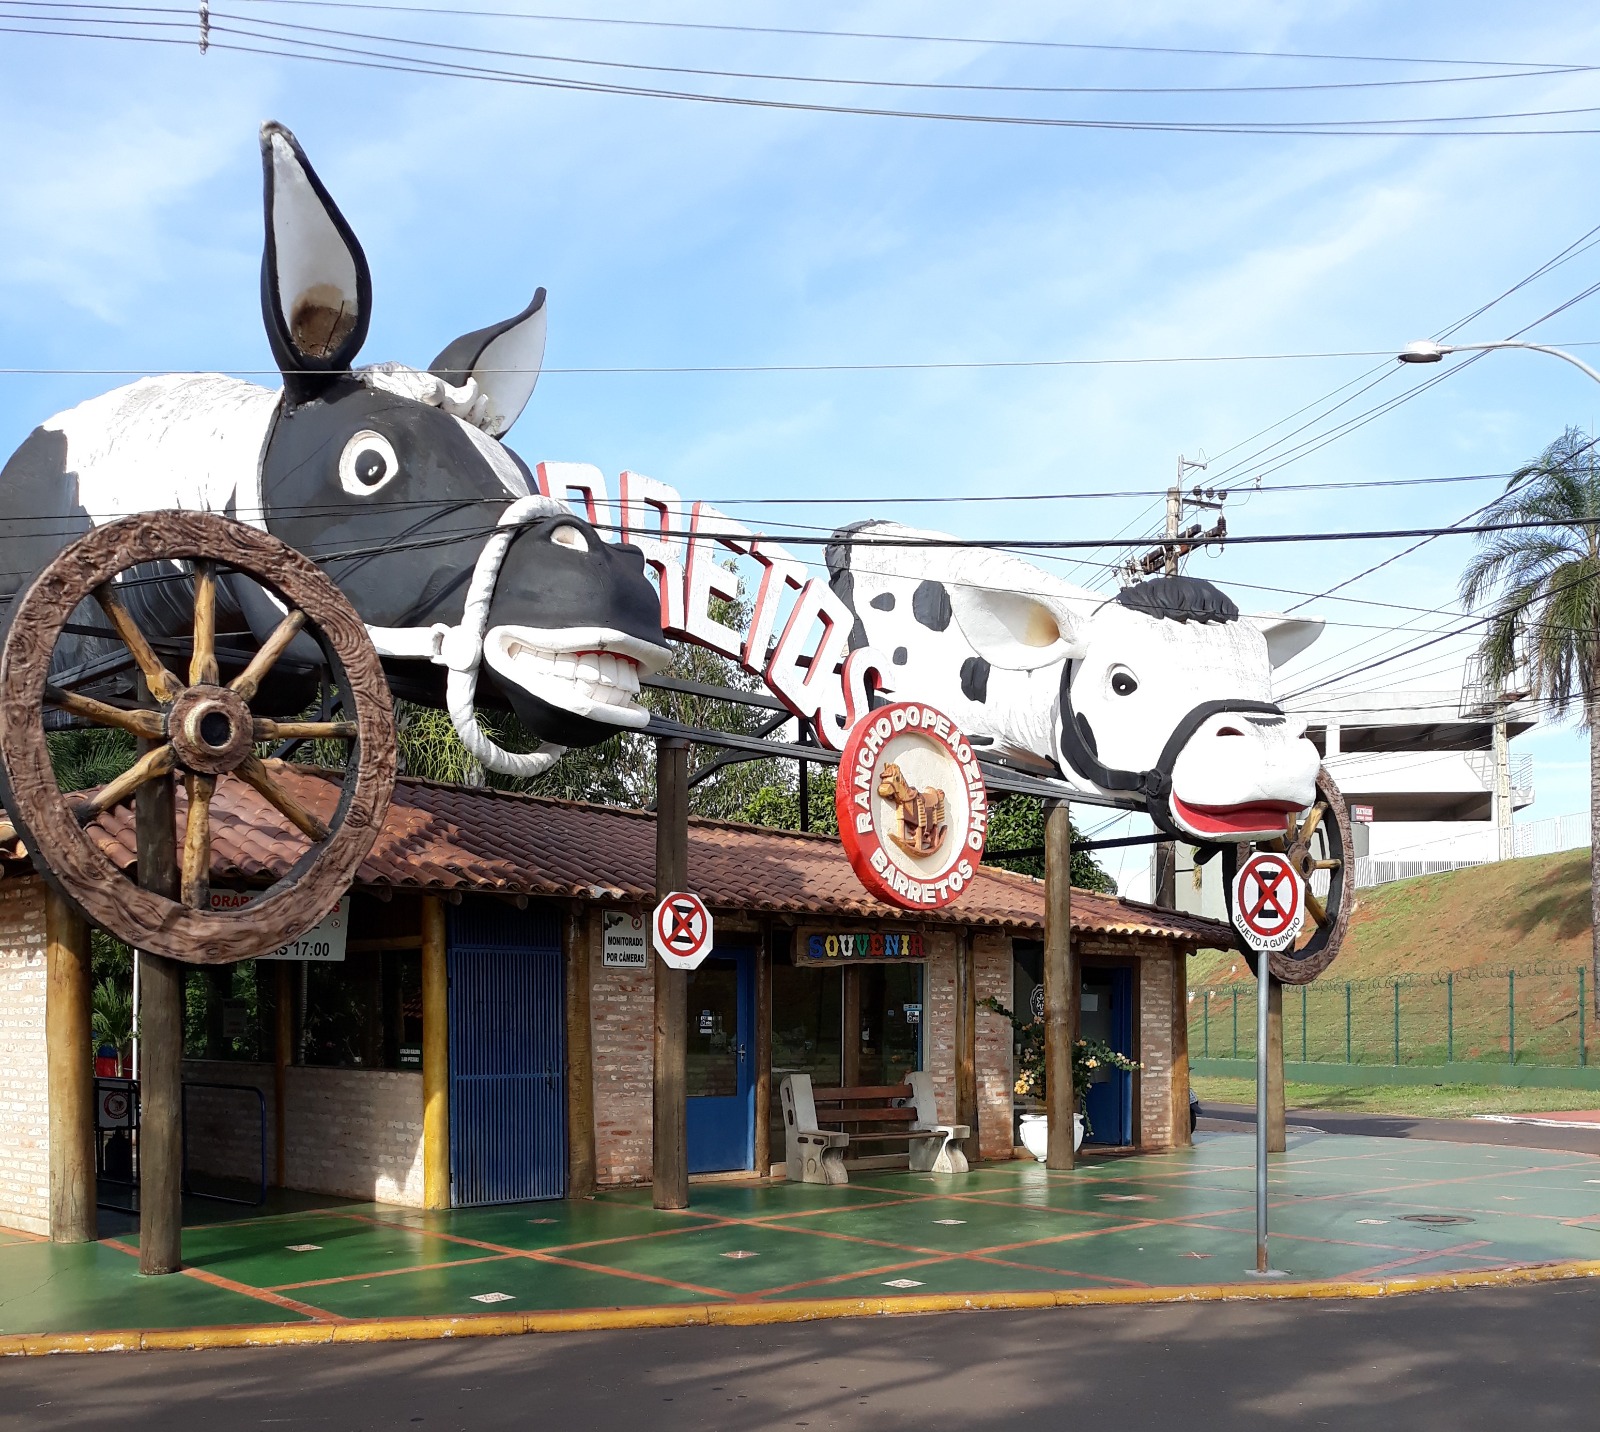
x,y
805,660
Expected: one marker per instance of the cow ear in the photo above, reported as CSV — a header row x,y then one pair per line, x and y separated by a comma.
x,y
504,358
1286,636
316,290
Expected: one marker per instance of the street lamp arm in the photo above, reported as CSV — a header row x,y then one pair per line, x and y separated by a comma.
x,y
1429,352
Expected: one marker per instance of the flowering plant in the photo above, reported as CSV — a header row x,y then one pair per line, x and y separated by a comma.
x,y
1089,1056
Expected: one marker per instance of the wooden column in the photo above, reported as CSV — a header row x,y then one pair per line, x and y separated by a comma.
x,y
1277,1124
160,1044
1181,1137
282,1058
577,935
966,1042
850,1004
1061,984
435,1057
71,1072
763,1052
669,1147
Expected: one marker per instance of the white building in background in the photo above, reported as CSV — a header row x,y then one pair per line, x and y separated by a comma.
x,y
1424,764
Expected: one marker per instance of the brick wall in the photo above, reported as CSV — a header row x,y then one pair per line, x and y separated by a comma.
x,y
24,1079
939,1020
991,975
622,1021
351,1132
1157,965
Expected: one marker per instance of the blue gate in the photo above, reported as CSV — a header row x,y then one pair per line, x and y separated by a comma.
x,y
508,1099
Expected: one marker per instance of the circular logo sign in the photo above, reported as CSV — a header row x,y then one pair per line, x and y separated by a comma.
x,y
913,809
1269,902
681,930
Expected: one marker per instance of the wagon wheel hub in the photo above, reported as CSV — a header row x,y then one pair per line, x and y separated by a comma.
x,y
211,730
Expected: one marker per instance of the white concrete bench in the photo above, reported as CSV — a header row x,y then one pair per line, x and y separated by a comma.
x,y
815,1143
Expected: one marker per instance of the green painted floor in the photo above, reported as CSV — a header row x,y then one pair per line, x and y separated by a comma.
x,y
1342,1207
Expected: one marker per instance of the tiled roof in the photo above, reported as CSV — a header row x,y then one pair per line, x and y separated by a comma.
x,y
442,837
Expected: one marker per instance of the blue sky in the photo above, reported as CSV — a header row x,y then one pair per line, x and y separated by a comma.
x,y
676,234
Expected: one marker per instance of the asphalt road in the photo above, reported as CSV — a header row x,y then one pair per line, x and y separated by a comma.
x,y
1230,1118
1521,1358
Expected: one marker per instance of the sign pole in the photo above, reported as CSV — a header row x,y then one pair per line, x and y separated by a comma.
x,y
1263,979
669,1152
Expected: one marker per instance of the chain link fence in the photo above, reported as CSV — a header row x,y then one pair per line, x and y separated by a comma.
x,y
1534,1015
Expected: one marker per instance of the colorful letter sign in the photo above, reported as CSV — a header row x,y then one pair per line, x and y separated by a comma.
x,y
913,809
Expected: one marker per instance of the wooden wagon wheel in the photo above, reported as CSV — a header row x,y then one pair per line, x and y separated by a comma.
x,y
1319,845
201,731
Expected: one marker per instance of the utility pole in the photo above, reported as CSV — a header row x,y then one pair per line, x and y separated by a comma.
x,y
1178,543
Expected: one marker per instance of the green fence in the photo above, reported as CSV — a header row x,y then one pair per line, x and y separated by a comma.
x,y
1536,1015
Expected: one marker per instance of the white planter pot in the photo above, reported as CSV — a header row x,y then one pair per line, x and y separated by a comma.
x,y
1036,1134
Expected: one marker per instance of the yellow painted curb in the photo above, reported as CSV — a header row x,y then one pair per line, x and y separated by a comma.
x,y
481,1325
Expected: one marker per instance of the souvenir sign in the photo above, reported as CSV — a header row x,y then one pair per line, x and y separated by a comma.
x,y
913,809
680,930
837,947
1269,902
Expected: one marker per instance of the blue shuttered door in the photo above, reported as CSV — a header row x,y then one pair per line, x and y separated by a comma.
x,y
508,1103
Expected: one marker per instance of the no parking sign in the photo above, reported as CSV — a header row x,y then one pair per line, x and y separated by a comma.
x,y
681,930
1269,902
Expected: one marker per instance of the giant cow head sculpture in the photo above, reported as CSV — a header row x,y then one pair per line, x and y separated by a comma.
x,y
1161,695
393,478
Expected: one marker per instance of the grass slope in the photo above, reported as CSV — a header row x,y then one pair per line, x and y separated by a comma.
x,y
1530,915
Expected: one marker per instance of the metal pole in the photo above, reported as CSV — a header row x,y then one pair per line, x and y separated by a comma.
x,y
1263,1268
1511,1015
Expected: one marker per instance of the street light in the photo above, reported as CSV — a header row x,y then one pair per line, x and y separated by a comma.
x,y
1425,350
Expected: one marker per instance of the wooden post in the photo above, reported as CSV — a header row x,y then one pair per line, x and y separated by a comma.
x,y
669,1147
160,1042
763,1052
1277,1124
1181,1137
71,1072
577,933
966,1042
1061,984
850,1004
435,1057
282,1058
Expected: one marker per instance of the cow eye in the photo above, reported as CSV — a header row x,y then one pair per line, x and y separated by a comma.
x,y
569,536
367,463
1122,682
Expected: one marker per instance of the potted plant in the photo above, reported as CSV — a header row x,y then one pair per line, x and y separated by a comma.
x,y
1089,1056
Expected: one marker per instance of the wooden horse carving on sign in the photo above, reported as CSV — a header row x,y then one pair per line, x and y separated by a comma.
x,y
922,823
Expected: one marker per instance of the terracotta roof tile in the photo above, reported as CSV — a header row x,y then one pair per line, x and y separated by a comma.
x,y
442,837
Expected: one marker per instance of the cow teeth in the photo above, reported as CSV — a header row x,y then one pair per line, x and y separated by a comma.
x,y
628,676
588,667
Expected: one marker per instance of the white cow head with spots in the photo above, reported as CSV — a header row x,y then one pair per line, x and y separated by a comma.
x,y
1161,695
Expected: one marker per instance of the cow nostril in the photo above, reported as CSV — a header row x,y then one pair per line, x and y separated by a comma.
x,y
1230,731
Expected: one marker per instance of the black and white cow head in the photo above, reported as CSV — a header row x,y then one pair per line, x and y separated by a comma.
x,y
1162,695
405,469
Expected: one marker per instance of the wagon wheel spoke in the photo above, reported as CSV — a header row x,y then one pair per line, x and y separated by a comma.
x,y
203,659
197,842
151,766
253,771
1313,820
164,686
1327,865
249,680
143,723
269,730
1316,908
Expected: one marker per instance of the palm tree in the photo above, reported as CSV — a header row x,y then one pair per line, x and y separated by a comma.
x,y
1541,585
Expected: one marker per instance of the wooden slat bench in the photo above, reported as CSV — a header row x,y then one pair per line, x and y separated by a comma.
x,y
820,1124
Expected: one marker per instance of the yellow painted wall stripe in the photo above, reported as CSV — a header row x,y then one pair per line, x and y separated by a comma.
x,y
479,1325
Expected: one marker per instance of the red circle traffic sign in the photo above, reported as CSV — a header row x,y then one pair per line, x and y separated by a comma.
x,y
1269,907
680,930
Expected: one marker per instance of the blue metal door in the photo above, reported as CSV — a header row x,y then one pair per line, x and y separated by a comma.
x,y
721,1064
508,1098
1110,1099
